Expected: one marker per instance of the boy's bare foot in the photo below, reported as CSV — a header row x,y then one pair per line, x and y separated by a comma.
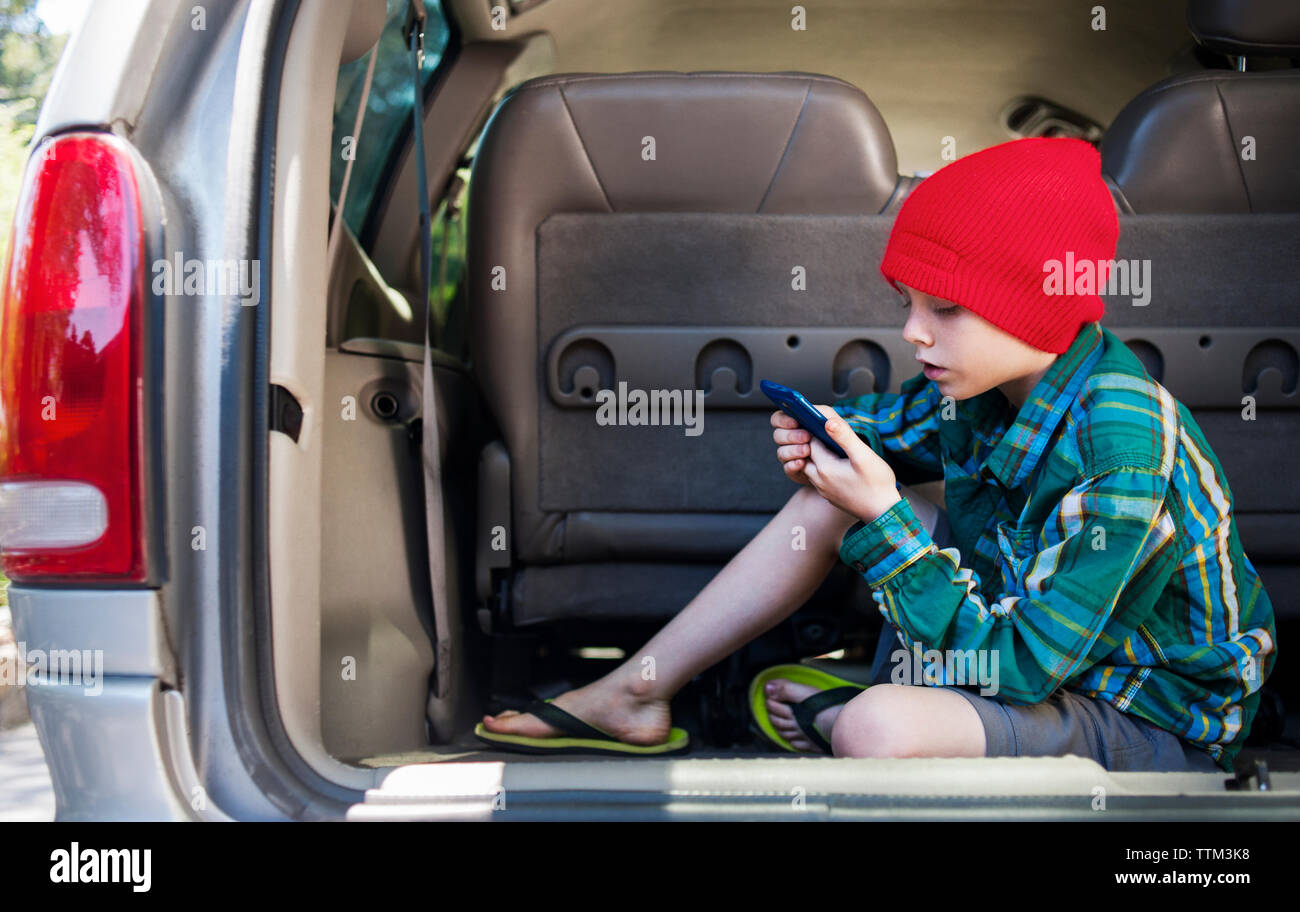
x,y
631,717
782,695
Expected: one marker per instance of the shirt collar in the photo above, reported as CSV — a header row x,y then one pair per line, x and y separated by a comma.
x,y
1016,453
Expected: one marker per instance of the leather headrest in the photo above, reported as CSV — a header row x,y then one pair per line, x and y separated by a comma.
x,y
1269,28
703,141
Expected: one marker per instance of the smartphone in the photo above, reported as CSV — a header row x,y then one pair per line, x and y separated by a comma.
x,y
793,403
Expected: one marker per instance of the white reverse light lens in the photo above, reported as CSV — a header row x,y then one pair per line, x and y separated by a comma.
x,y
50,514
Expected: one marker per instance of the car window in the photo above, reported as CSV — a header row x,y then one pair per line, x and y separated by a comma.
x,y
447,303
388,109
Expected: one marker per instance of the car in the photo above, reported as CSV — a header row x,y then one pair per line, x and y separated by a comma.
x,y
310,529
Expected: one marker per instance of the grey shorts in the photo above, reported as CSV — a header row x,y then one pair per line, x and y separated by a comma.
x,y
1067,723
1064,723
1071,723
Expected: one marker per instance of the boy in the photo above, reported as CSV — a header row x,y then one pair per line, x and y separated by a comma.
x,y
1094,555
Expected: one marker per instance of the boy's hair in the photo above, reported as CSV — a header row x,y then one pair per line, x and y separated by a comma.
x,y
984,231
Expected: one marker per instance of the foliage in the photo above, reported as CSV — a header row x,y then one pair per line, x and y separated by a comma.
x,y
28,53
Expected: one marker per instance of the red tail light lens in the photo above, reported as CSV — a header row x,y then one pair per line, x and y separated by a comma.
x,y
71,479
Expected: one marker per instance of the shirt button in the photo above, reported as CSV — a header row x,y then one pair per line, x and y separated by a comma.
x,y
857,565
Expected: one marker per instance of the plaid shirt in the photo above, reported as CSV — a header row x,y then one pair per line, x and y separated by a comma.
x,y
1095,545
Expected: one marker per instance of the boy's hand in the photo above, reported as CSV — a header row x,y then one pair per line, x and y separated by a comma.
x,y
792,447
862,485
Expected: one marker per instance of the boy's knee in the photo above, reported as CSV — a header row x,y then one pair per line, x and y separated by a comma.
x,y
824,521
876,724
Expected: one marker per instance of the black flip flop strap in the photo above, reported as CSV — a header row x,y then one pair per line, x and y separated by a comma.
x,y
805,713
565,722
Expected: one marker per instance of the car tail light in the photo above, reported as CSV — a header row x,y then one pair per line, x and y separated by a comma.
x,y
71,387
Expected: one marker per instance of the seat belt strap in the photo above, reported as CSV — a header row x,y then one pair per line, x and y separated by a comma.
x,y
356,138
413,32
431,455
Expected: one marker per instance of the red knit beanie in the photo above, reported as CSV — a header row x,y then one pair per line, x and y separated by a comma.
x,y
981,231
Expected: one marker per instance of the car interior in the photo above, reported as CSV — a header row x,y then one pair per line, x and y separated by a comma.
x,y
452,533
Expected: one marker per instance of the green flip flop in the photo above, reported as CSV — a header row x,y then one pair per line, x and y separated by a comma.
x,y
834,690
580,738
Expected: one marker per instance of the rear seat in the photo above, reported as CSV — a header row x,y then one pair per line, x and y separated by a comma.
x,y
1177,147
639,224
675,272
1222,233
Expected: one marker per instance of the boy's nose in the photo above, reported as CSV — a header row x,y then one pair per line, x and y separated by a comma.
x,y
916,334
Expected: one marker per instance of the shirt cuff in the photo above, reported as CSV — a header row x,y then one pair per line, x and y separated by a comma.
x,y
887,545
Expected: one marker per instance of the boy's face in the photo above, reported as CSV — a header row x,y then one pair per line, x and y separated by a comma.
x,y
975,356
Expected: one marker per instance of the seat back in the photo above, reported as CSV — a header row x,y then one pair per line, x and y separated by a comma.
x,y
650,229
1218,141
1208,164
620,232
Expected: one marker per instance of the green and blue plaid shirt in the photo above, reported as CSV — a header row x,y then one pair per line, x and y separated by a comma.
x,y
1096,548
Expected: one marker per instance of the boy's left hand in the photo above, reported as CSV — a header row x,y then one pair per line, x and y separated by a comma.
x,y
862,485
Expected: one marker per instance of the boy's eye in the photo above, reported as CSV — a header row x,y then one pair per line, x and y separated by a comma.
x,y
941,311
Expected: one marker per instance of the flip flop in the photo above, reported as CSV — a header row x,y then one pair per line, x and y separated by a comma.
x,y
581,738
834,690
